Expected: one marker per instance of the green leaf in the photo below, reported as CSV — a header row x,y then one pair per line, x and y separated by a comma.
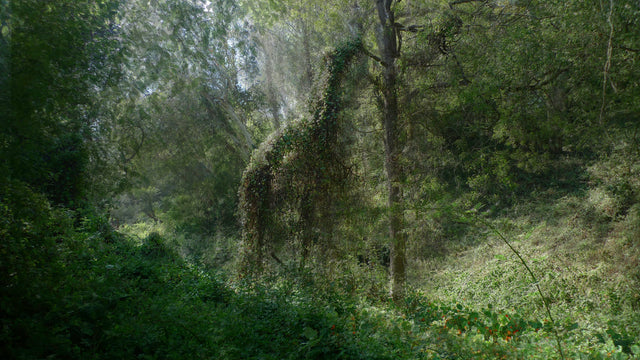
x,y
310,333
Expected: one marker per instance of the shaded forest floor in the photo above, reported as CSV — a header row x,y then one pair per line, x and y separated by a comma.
x,y
96,294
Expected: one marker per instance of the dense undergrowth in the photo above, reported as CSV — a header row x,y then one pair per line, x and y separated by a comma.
x,y
581,242
85,292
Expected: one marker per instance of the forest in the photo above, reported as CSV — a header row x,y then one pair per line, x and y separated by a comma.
x,y
337,179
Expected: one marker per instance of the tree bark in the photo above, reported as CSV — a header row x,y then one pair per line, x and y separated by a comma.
x,y
388,46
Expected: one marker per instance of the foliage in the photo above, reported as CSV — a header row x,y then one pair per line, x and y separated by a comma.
x,y
54,65
110,297
178,125
518,99
297,175
486,274
523,112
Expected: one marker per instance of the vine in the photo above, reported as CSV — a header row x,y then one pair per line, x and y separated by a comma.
x,y
293,178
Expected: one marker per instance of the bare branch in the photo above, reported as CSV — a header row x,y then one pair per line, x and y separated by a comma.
x,y
371,55
458,2
410,28
275,257
628,49
465,79
548,78
607,64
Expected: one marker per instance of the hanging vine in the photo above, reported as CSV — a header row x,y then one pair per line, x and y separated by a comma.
x,y
294,178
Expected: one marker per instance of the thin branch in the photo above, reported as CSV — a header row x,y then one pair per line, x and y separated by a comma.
x,y
607,64
399,37
533,277
137,149
355,128
275,257
465,79
628,49
458,2
410,28
371,55
548,78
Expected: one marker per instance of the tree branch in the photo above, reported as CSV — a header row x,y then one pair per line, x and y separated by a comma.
x,y
374,57
607,64
549,77
275,257
465,79
410,28
458,2
628,49
137,148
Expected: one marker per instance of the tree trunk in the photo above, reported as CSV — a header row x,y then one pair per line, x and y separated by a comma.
x,y
388,45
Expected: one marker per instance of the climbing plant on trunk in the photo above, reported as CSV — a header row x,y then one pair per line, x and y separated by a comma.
x,y
293,179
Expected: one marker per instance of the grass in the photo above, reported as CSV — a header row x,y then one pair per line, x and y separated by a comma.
x,y
585,257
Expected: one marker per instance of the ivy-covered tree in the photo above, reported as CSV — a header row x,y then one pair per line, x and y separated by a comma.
x,y
294,180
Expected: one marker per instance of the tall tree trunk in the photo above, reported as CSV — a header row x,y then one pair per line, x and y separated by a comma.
x,y
388,45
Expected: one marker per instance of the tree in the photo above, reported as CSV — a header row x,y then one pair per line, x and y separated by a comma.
x,y
293,181
57,57
292,37
180,125
352,22
387,37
